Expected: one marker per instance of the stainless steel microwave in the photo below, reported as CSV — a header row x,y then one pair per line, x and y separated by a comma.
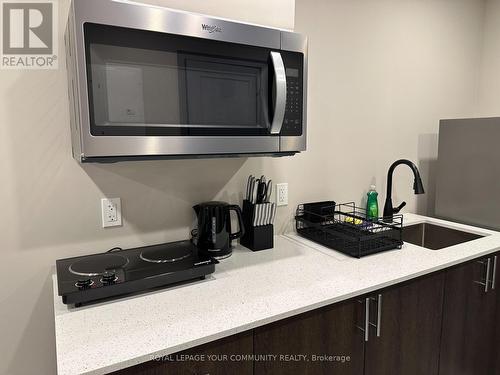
x,y
146,82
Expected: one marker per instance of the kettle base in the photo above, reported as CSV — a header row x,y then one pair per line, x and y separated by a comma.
x,y
217,254
223,256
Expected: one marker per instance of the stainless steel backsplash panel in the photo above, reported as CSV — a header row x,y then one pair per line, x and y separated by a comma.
x,y
468,173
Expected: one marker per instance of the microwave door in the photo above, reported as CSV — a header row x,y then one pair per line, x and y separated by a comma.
x,y
173,86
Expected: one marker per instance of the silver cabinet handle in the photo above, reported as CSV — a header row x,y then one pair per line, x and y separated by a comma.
x,y
378,325
379,315
494,277
488,268
280,82
487,278
367,319
366,327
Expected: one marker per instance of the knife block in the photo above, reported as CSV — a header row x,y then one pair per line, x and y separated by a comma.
x,y
255,238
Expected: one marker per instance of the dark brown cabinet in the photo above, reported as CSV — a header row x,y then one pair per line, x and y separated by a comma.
x,y
323,341
470,319
405,329
226,356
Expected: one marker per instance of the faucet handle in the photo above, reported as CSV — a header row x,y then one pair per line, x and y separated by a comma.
x,y
399,208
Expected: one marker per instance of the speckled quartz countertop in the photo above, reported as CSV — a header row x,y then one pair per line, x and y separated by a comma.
x,y
246,291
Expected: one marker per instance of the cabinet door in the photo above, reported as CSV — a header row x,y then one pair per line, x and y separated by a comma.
x,y
410,329
329,332
231,355
467,345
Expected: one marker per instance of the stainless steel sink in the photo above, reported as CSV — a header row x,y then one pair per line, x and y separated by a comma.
x,y
436,237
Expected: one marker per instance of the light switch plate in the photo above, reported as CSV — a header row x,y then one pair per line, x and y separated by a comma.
x,y
282,194
111,210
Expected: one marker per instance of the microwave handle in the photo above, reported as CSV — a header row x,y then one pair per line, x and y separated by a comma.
x,y
280,83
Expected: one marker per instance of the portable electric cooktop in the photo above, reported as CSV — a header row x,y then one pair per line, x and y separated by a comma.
x,y
93,277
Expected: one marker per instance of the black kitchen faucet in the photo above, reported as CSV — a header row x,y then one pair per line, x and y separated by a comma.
x,y
418,187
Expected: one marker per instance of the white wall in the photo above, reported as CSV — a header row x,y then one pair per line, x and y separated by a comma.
x,y
381,75
489,84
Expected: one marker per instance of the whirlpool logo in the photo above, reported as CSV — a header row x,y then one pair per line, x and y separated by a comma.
x,y
211,28
29,34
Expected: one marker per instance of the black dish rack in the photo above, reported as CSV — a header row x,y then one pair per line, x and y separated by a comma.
x,y
345,228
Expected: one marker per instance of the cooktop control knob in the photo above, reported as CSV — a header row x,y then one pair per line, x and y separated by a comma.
x,y
108,277
84,283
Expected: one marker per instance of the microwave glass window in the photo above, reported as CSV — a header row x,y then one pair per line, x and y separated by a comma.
x,y
132,86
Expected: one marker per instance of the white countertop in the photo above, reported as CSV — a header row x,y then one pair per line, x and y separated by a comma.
x,y
248,290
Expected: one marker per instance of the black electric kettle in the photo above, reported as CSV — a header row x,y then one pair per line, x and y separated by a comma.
x,y
214,228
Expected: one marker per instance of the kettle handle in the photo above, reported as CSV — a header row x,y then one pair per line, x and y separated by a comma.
x,y
241,232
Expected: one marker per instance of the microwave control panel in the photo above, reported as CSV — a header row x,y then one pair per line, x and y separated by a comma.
x,y
292,123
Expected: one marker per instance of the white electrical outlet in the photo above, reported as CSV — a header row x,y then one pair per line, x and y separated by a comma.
x,y
282,194
111,209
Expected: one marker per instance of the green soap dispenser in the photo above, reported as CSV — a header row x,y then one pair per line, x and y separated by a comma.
x,y
372,204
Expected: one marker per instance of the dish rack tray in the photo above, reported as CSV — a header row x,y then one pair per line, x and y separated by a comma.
x,y
344,227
